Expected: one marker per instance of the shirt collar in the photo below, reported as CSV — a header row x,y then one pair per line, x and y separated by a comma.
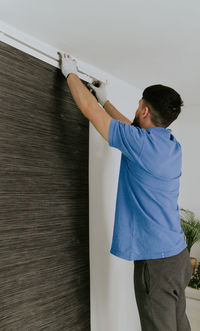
x,y
159,129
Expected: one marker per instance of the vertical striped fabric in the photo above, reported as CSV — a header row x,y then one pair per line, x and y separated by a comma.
x,y
44,207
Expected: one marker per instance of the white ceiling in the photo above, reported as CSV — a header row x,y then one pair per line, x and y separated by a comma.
x,y
142,42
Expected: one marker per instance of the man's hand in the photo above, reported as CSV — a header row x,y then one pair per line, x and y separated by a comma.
x,y
101,92
67,64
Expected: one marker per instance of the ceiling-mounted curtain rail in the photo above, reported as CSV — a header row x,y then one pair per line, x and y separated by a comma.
x,y
49,56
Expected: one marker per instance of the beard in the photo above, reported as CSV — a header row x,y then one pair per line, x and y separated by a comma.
x,y
136,122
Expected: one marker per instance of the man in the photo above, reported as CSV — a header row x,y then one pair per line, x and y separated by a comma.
x,y
147,226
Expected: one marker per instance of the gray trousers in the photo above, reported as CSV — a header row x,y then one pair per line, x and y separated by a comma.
x,y
160,292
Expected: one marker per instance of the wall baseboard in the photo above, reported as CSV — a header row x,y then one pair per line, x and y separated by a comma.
x,y
192,293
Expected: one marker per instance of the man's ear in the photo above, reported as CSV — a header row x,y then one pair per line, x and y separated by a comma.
x,y
145,111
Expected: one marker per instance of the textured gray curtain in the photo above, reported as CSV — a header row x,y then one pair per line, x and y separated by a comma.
x,y
44,207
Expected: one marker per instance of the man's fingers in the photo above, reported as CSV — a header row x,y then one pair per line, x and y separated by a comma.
x,y
95,83
64,55
61,55
60,59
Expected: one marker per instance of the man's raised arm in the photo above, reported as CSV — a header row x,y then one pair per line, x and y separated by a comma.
x,y
101,95
114,113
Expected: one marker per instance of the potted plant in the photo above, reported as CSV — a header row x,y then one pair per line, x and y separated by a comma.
x,y
191,229
195,279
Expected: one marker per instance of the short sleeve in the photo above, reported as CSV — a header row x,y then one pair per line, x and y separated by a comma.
x,y
127,138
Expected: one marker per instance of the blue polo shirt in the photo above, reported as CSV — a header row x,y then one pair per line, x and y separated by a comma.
x,y
147,219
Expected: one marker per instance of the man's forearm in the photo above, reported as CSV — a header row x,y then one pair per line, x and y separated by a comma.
x,y
114,113
82,96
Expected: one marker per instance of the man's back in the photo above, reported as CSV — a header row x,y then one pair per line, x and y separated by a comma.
x,y
147,220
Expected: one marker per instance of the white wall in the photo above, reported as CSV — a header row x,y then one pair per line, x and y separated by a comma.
x,y
186,129
192,311
113,306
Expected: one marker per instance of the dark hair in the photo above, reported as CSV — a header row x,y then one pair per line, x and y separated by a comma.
x,y
164,104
